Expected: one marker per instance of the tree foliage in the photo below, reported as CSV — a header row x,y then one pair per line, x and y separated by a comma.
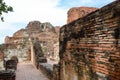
x,y
4,8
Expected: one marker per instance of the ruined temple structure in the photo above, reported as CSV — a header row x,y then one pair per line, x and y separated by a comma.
x,y
16,46
1,60
47,35
23,42
78,12
1,55
90,46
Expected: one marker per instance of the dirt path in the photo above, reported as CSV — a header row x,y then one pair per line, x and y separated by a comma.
x,y
26,71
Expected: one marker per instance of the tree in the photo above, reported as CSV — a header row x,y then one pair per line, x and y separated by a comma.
x,y
4,8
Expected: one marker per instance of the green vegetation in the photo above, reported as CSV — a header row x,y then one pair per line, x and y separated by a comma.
x,y
4,8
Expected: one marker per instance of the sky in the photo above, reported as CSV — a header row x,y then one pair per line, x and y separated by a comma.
x,y
53,11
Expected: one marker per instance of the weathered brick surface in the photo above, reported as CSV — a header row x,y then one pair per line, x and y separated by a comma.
x,y
39,55
78,12
46,33
56,71
47,69
90,46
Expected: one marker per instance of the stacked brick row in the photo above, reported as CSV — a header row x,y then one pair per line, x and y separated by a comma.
x,y
90,46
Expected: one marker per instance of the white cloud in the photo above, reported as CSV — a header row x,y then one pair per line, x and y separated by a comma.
x,y
41,10
89,3
2,40
29,10
7,29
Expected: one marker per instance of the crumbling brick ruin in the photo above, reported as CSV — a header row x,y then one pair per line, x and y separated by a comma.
x,y
90,46
78,12
20,43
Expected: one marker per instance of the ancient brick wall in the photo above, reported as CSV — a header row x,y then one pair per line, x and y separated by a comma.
x,y
19,50
78,12
90,46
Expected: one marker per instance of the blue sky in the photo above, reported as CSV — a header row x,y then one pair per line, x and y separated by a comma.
x,y
89,3
53,11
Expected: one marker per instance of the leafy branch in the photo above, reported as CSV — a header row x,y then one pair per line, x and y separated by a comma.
x,y
4,9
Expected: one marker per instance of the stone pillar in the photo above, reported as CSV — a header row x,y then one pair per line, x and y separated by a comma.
x,y
32,54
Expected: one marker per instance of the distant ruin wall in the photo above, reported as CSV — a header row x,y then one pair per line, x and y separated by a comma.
x,y
21,51
78,12
90,46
